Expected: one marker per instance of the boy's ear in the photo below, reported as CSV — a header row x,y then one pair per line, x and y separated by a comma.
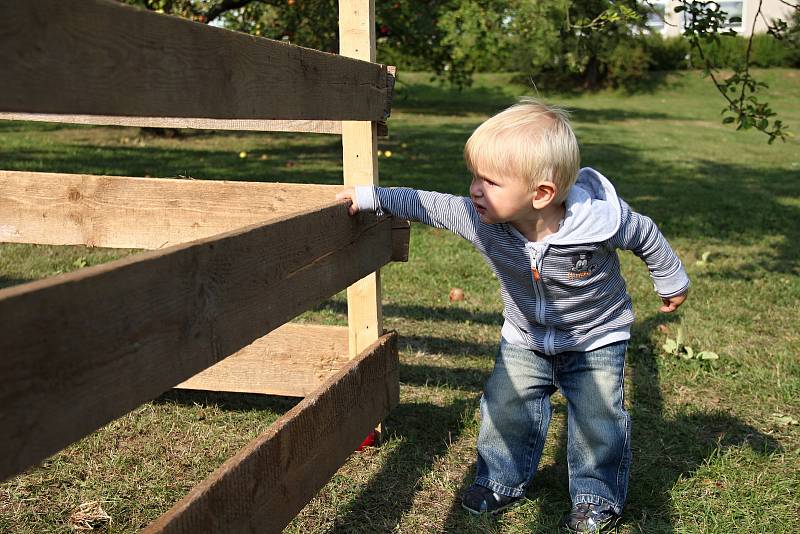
x,y
544,194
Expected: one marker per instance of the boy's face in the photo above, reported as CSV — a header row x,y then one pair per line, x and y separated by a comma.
x,y
501,199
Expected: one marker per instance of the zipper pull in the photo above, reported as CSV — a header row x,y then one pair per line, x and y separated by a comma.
x,y
536,276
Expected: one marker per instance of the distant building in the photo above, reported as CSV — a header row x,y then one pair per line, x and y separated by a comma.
x,y
665,21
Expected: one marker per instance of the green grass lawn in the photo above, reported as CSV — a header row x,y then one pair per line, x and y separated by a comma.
x,y
716,443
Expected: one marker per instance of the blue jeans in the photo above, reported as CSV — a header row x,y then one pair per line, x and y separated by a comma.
x,y
515,414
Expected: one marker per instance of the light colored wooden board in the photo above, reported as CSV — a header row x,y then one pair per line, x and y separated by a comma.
x,y
100,57
123,212
264,486
357,29
292,360
322,127
85,347
360,166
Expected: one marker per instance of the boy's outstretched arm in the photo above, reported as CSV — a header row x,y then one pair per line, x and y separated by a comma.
x,y
440,210
639,234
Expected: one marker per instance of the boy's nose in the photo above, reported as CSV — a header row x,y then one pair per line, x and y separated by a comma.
x,y
475,189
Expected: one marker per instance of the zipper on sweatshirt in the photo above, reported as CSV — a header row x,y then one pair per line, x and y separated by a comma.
x,y
537,260
536,278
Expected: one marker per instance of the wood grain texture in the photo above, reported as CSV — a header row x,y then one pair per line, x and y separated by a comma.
x,y
292,360
99,57
123,212
85,347
322,127
262,488
360,166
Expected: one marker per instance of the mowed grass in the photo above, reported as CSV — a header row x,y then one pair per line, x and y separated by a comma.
x,y
716,443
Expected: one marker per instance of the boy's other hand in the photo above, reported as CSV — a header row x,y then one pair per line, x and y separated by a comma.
x,y
349,194
672,303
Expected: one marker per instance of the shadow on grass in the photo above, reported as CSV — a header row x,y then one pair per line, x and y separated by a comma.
x,y
440,99
392,490
423,313
442,377
9,282
710,201
446,346
296,163
665,449
605,115
238,402
444,314
572,85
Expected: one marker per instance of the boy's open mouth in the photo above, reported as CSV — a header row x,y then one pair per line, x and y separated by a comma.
x,y
480,209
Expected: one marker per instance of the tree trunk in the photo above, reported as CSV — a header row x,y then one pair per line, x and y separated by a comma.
x,y
591,74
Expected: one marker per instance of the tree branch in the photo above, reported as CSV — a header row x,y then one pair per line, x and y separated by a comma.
x,y
226,5
793,6
747,55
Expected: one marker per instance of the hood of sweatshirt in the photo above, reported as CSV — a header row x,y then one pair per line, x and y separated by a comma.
x,y
593,211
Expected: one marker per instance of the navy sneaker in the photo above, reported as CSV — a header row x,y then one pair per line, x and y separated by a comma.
x,y
585,517
480,500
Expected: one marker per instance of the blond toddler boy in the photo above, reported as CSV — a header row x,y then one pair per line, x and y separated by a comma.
x,y
549,231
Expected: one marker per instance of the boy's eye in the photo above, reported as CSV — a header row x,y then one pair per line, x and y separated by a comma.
x,y
489,182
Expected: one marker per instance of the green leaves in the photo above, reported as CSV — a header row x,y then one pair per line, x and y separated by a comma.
x,y
670,346
705,23
704,260
784,420
677,347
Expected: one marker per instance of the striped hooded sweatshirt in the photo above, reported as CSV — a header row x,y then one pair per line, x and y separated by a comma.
x,y
566,292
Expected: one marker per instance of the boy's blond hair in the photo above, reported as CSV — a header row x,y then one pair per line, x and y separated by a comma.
x,y
530,141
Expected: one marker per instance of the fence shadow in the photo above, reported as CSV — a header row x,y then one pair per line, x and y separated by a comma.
x,y
393,488
235,402
441,99
9,282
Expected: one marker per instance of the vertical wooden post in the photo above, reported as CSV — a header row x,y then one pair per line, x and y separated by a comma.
x,y
360,163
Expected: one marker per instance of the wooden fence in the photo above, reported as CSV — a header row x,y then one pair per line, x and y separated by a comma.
x,y
228,263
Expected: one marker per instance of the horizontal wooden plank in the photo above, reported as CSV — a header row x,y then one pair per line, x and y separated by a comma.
x,y
85,347
307,126
100,57
264,486
122,212
303,126
292,360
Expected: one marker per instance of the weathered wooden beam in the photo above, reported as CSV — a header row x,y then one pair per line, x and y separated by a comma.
x,y
401,235
85,347
123,212
99,57
264,486
292,360
307,126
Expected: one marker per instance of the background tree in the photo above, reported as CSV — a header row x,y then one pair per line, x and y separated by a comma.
x,y
590,43
409,33
707,24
